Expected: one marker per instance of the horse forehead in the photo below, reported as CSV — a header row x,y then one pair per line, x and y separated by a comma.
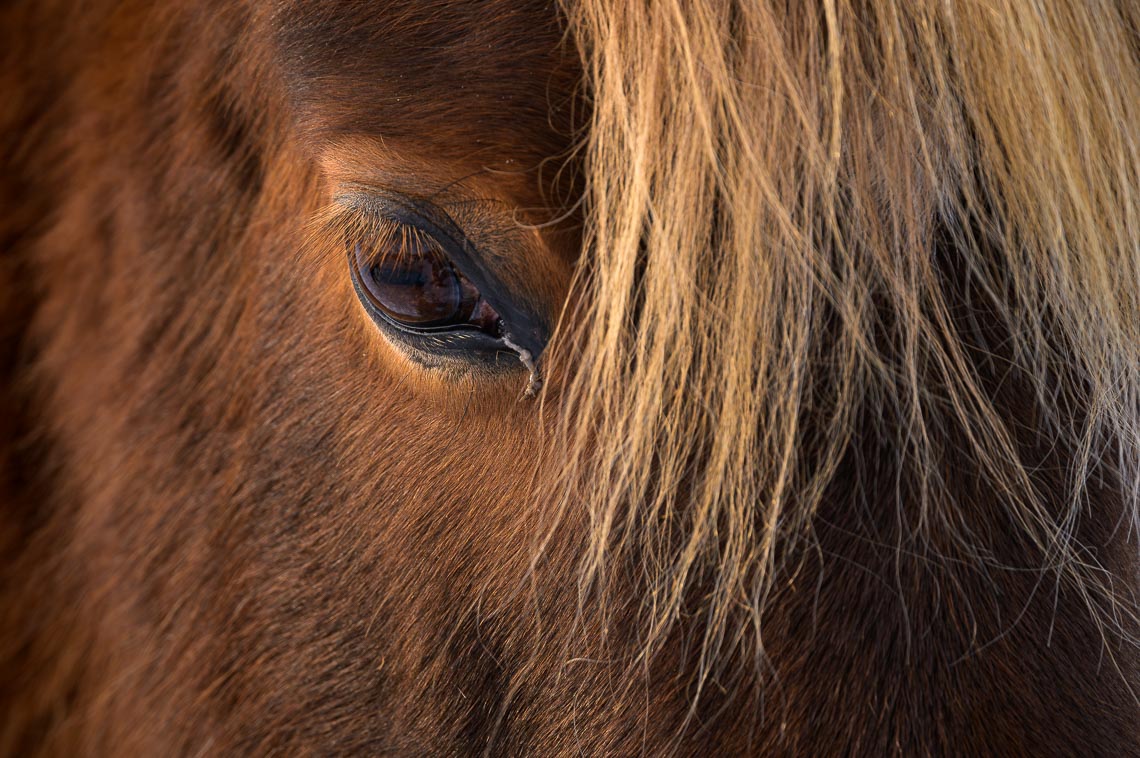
x,y
456,77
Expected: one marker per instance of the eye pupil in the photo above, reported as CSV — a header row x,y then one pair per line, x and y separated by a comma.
x,y
411,282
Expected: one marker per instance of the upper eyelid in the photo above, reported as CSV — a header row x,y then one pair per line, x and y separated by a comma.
x,y
376,205
436,207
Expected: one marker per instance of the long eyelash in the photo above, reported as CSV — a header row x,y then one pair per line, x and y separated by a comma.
x,y
340,223
384,237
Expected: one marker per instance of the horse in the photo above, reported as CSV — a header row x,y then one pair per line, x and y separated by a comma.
x,y
448,377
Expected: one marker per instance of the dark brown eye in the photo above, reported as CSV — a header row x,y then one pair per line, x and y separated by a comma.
x,y
409,280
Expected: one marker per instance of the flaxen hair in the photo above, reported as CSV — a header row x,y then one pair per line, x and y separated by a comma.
x,y
786,214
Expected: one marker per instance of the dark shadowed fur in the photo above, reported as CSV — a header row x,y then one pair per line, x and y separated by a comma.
x,y
235,521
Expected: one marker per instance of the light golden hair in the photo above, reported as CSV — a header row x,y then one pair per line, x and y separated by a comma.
x,y
770,188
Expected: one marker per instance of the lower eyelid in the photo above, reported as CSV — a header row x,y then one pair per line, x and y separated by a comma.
x,y
449,349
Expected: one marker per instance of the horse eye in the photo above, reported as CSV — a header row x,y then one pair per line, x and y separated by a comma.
x,y
409,280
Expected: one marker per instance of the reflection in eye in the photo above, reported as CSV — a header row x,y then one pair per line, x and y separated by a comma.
x,y
405,276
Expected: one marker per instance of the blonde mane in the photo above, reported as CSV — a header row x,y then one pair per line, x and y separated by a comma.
x,y
776,194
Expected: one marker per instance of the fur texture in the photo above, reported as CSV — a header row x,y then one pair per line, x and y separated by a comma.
x,y
837,452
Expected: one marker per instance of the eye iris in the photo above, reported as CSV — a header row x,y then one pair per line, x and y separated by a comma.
x,y
417,286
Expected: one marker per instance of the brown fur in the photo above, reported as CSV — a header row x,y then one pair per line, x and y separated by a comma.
x,y
238,521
